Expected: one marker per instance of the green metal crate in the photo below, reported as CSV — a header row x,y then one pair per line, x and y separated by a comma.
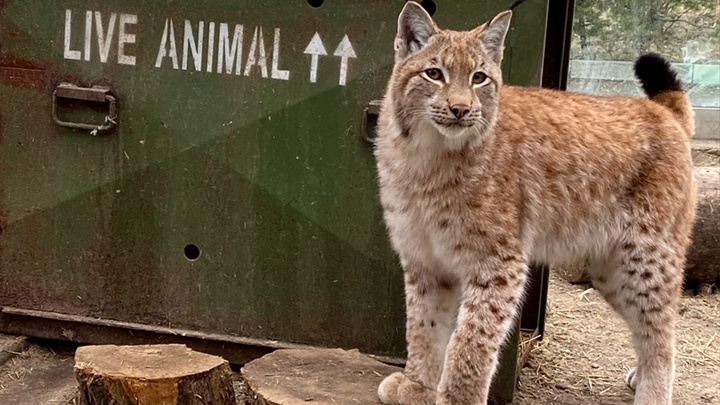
x,y
233,198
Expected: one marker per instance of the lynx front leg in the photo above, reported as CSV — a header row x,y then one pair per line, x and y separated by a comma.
x,y
431,304
490,300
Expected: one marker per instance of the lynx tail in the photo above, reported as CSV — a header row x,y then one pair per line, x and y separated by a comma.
x,y
660,83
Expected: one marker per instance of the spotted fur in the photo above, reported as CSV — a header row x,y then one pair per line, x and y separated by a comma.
x,y
478,179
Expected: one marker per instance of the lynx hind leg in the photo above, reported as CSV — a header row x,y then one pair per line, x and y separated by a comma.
x,y
603,272
641,280
631,378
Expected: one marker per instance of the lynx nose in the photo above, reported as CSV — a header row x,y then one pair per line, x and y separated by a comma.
x,y
460,110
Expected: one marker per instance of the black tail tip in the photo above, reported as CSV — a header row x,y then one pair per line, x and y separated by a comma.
x,y
656,74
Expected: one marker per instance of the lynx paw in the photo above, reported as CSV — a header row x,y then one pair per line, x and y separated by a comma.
x,y
397,389
631,378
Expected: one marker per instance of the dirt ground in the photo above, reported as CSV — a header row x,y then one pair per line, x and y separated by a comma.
x,y
582,360
706,153
587,351
39,375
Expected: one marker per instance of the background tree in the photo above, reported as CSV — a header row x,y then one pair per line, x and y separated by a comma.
x,y
682,30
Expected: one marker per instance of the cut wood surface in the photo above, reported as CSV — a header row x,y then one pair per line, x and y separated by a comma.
x,y
703,262
152,374
312,376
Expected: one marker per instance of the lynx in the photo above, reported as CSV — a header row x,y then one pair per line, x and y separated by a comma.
x,y
479,179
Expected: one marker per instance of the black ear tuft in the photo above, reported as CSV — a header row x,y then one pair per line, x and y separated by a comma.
x,y
493,35
656,74
415,27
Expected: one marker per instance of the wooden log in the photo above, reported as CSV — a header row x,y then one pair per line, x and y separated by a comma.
x,y
574,274
312,376
152,374
703,260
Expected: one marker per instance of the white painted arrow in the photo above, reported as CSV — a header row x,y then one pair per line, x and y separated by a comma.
x,y
344,51
315,48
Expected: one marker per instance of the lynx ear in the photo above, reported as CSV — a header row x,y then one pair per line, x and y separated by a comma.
x,y
415,27
492,34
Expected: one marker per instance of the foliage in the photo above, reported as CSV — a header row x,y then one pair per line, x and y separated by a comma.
x,y
682,30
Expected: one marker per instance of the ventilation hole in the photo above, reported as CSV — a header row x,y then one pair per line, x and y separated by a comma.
x,y
315,3
429,6
192,252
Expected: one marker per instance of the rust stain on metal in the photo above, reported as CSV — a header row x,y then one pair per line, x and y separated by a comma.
x,y
4,215
17,71
10,60
23,73
23,78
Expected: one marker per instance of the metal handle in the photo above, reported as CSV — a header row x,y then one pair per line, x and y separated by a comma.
x,y
96,93
372,110
373,107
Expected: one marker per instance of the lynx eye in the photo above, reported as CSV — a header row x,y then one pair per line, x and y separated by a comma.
x,y
479,78
434,74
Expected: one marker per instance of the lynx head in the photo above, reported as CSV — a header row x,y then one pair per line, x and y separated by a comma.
x,y
445,78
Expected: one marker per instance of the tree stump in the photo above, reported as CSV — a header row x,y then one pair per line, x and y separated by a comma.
x,y
703,261
313,376
151,375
